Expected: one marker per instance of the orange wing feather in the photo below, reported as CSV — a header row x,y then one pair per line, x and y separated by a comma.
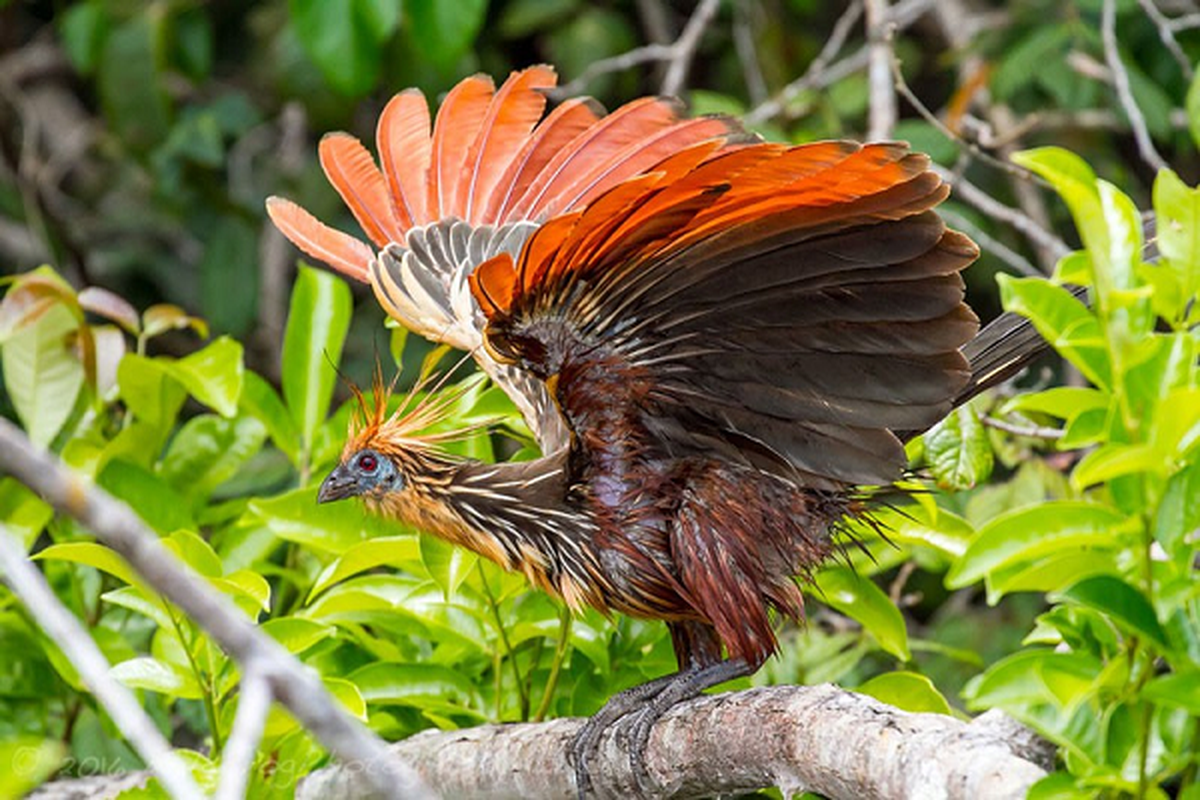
x,y
405,150
594,149
457,125
341,251
514,110
353,173
557,130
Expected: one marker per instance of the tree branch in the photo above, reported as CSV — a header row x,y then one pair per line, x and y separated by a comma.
x,y
1141,133
28,583
291,683
882,107
820,739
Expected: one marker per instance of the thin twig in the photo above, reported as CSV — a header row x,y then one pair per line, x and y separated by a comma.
x,y
237,759
1032,431
1141,133
881,106
971,194
1185,23
297,688
989,244
972,147
678,55
817,67
747,51
64,629
685,46
1168,37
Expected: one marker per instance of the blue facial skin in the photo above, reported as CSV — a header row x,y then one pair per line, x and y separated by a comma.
x,y
367,472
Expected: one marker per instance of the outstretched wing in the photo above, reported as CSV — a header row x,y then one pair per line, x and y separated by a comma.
x,y
472,183
786,307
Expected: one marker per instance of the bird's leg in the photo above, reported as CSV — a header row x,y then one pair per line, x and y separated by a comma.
x,y
647,703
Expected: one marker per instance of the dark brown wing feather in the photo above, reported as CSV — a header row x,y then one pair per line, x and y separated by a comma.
x,y
784,307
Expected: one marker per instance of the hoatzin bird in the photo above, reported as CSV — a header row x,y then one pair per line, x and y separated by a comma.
x,y
716,341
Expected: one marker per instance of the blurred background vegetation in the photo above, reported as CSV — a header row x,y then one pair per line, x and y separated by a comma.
x,y
138,141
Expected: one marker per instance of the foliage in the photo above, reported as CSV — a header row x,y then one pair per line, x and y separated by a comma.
x,y
1108,671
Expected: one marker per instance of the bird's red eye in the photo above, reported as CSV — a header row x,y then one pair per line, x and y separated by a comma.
x,y
368,462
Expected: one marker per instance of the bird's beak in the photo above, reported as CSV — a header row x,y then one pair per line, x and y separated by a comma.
x,y
339,485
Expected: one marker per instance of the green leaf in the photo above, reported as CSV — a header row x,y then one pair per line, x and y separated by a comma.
x,y
1180,690
82,29
344,38
1064,402
444,31
28,762
42,375
209,450
157,676
390,550
261,401
150,392
860,599
414,684
447,564
1179,511
1125,605
136,600
160,506
1114,460
1178,216
23,512
212,375
1063,321
1192,106
332,527
316,329
92,555
129,78
958,450
296,634
906,690
195,552
1028,534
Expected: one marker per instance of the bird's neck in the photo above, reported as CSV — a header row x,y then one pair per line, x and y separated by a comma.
x,y
515,514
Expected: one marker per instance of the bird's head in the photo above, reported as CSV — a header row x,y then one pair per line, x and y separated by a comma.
x,y
390,458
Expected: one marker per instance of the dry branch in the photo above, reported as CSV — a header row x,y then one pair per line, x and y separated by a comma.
x,y
813,738
291,684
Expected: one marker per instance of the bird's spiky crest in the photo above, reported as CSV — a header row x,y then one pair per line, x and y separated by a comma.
x,y
405,432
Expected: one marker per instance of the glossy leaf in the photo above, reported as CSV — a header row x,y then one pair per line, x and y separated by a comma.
x,y
391,550
332,527
1032,533
317,323
447,564
261,401
209,450
958,450
92,555
909,691
42,375
860,599
22,512
157,676
1063,321
1124,604
413,684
